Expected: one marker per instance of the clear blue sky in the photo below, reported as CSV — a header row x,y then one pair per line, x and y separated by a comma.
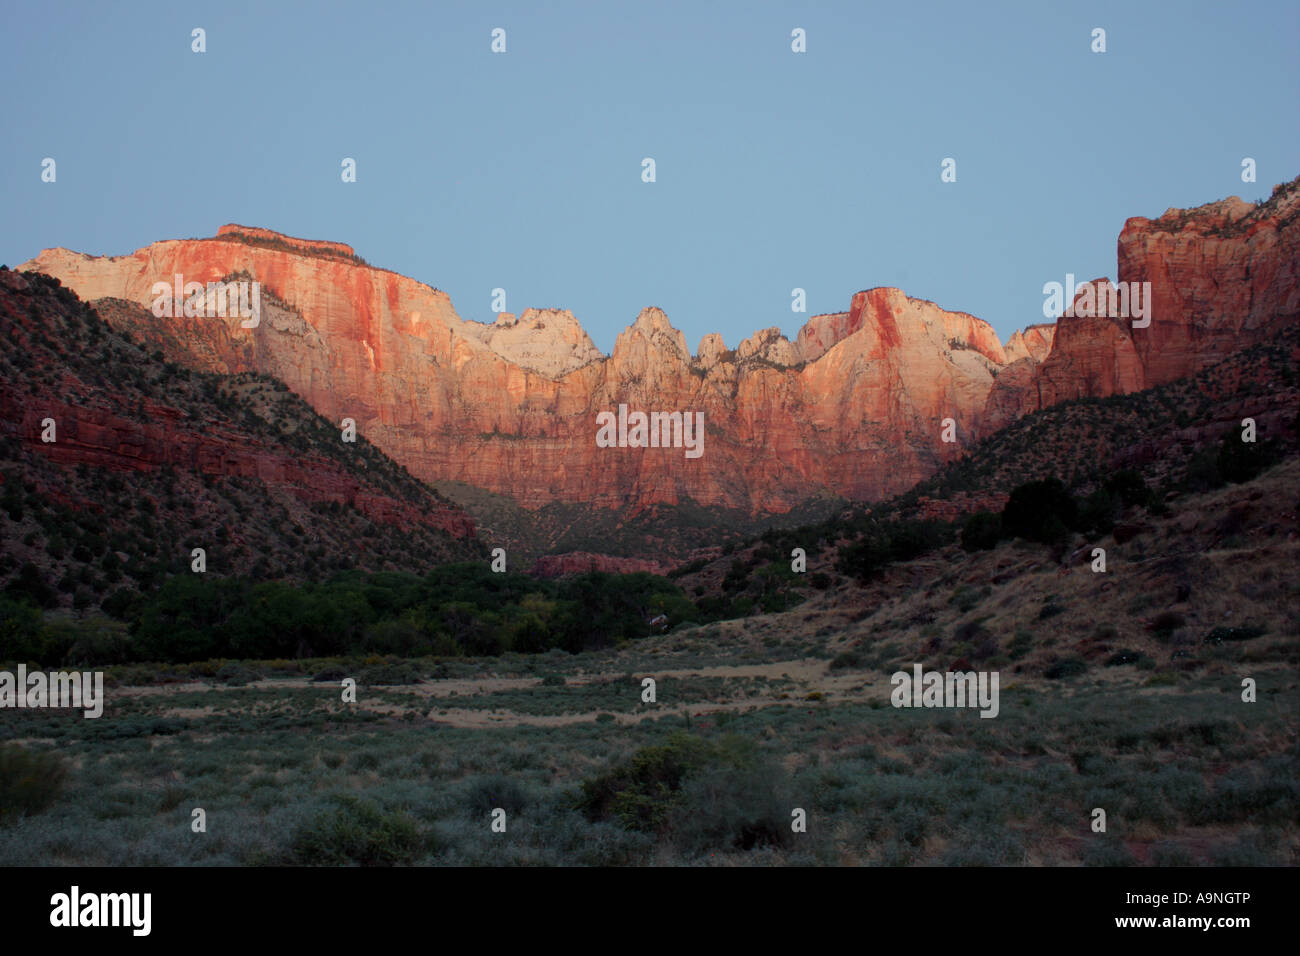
x,y
775,170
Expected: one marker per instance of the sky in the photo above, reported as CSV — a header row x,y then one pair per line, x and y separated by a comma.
x,y
774,170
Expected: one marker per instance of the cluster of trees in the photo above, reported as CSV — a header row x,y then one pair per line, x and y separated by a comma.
x,y
456,609
1046,511
1233,461
885,541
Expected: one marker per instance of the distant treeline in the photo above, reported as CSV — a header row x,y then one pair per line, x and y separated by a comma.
x,y
454,610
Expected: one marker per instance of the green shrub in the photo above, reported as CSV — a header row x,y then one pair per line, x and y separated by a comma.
x,y
357,833
641,792
235,675
1020,645
30,583
388,673
1063,667
740,805
488,793
1244,633
849,658
966,597
1240,461
1097,513
1129,487
1042,511
981,532
29,782
20,630
701,795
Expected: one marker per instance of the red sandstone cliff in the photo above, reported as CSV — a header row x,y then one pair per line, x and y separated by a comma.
x,y
1223,276
854,405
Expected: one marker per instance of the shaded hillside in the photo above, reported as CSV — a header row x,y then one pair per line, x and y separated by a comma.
x,y
151,460
1171,438
661,534
1157,432
1210,585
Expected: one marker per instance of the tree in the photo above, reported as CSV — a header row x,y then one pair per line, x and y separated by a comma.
x,y
1040,511
981,532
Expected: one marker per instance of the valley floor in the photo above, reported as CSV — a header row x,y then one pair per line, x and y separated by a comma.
x,y
1120,691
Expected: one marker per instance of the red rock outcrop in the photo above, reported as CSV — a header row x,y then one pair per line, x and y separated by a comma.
x,y
97,436
1222,277
1034,342
854,406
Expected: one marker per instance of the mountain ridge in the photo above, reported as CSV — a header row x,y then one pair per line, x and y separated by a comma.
x,y
860,405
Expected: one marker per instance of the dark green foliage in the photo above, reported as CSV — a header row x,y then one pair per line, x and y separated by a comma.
x,y
1042,511
21,636
235,675
1063,667
981,532
1165,623
1240,461
700,794
737,802
458,609
388,674
853,657
490,793
1233,461
1049,610
1245,633
31,584
29,782
1128,487
642,792
1098,511
357,833
884,542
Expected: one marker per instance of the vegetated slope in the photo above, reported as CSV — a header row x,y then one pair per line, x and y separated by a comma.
x,y
1157,432
1172,437
149,461
1209,586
